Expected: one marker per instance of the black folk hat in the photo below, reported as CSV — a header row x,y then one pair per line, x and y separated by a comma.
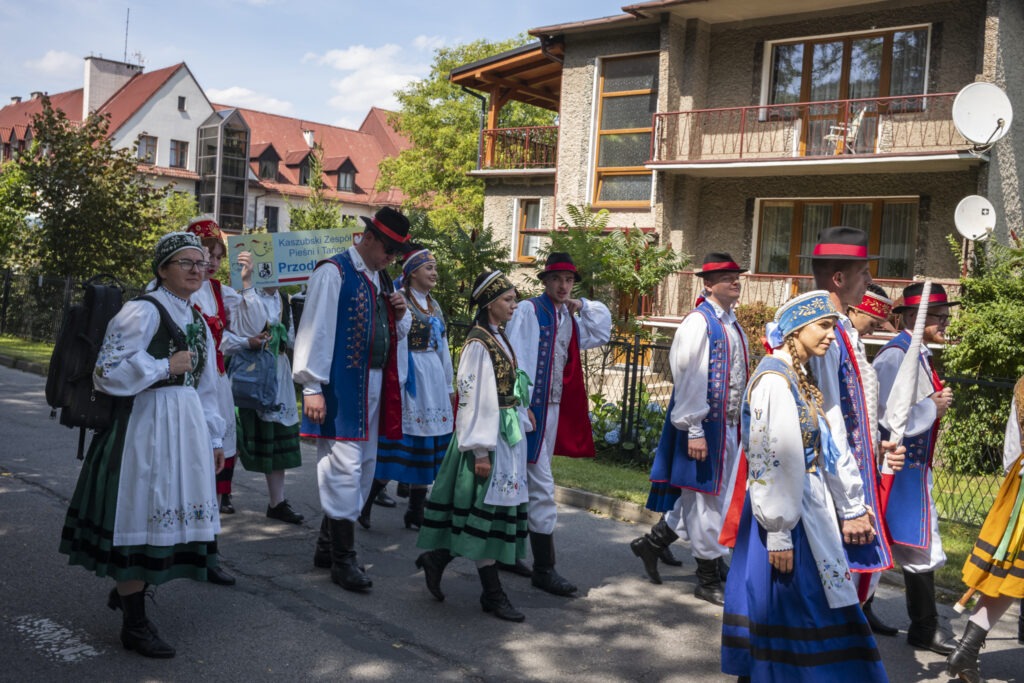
x,y
719,262
559,262
841,243
911,299
392,227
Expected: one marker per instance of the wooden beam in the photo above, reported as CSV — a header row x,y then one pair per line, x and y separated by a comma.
x,y
506,84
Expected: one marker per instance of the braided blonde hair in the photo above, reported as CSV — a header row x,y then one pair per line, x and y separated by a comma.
x,y
808,389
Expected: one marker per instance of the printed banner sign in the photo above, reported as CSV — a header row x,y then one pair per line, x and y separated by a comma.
x,y
285,258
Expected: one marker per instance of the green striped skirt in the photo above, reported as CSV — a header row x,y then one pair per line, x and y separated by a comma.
x,y
266,446
457,518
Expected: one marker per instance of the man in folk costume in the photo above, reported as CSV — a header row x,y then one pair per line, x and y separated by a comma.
x,y
548,333
346,361
840,264
911,515
695,463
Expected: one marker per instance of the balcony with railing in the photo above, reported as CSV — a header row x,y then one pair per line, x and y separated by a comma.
x,y
881,134
531,149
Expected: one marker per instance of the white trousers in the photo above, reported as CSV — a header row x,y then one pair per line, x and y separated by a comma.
x,y
543,512
700,515
923,560
344,469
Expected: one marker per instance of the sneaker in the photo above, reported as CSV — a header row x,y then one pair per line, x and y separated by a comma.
x,y
283,512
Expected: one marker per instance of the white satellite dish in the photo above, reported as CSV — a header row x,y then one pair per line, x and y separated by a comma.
x,y
975,217
982,113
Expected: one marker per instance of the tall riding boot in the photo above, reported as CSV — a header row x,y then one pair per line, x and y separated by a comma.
x,y
544,575
414,515
322,554
878,626
709,582
494,600
924,631
650,546
963,661
433,563
345,570
364,515
136,631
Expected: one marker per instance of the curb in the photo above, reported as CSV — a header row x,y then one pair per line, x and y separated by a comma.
x,y
23,365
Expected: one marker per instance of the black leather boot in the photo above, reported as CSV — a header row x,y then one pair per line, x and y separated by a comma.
x,y
650,546
709,582
345,569
414,515
519,568
963,661
668,558
364,515
114,603
544,575
878,626
136,631
924,631
494,601
322,554
433,563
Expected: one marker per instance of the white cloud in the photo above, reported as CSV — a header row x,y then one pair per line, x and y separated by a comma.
x,y
56,63
238,96
429,43
372,75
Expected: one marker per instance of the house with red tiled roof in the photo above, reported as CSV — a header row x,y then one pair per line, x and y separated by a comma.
x,y
246,167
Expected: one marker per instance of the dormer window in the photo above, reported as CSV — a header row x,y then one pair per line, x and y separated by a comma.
x,y
304,173
346,181
268,169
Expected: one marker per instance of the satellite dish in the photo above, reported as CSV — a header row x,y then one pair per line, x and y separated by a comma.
x,y
982,113
975,217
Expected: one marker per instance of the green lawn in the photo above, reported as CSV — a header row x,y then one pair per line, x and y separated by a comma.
x,y
37,352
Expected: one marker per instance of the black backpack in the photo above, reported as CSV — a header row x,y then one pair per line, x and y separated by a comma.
x,y
69,384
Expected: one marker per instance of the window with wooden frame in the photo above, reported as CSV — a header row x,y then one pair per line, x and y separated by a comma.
x,y
179,154
627,102
853,66
788,228
528,232
147,149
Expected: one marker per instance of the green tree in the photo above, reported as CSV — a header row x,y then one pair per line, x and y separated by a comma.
x,y
442,122
95,212
987,333
319,213
15,199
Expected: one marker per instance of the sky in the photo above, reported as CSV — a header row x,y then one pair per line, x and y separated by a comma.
x,y
326,62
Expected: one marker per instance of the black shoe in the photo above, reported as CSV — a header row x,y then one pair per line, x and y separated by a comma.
x,y
384,500
433,563
652,547
519,568
345,569
225,504
962,663
414,515
284,512
218,576
137,633
924,631
114,603
709,582
493,600
667,557
878,626
544,575
402,489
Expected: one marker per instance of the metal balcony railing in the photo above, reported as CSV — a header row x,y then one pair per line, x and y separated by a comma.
x,y
866,127
532,147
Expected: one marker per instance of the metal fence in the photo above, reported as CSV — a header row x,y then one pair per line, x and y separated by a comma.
x,y
629,383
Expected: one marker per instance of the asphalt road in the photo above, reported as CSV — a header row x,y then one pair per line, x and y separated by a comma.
x,y
285,620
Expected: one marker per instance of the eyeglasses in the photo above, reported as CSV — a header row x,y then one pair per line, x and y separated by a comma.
x,y
938,318
188,264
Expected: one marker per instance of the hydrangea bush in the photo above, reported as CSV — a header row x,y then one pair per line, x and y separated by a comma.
x,y
607,421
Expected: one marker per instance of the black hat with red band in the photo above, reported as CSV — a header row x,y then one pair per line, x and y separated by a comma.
x,y
841,243
559,262
719,262
392,227
911,299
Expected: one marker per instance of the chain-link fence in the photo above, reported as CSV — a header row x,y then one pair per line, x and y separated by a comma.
x,y
628,381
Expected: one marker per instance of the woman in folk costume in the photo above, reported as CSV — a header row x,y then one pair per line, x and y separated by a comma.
x,y
217,303
791,607
269,439
478,506
995,567
425,371
145,507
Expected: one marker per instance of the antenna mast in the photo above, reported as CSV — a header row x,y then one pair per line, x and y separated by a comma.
x,y
128,15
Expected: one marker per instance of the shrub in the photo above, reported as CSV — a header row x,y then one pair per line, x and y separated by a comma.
x,y
608,424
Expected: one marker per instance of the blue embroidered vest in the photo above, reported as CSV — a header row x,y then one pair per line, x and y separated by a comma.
x,y
876,555
673,468
346,394
908,511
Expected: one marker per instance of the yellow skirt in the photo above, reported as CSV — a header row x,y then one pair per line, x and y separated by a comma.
x,y
996,565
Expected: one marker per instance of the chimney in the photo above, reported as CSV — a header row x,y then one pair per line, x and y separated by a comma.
x,y
35,95
103,78
307,135
16,99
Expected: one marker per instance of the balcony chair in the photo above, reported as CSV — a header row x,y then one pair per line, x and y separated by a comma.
x,y
843,136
